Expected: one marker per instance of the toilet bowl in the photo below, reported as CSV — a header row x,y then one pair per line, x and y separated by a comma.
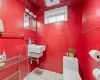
x,y
70,69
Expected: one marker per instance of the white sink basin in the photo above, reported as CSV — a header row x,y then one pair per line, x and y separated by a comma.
x,y
36,50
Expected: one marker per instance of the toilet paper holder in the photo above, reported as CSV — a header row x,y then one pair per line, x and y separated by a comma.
x,y
95,54
98,56
96,73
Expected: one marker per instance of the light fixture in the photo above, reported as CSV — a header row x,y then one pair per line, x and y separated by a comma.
x,y
52,2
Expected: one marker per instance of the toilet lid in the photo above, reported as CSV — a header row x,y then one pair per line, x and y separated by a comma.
x,y
71,75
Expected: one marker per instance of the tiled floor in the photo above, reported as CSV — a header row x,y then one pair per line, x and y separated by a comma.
x,y
41,74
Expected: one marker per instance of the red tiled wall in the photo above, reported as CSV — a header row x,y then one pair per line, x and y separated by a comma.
x,y
90,36
58,37
12,14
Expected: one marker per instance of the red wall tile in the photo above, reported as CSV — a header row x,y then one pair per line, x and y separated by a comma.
x,y
58,37
12,14
90,37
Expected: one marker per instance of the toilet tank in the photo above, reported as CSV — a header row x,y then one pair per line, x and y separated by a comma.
x,y
70,63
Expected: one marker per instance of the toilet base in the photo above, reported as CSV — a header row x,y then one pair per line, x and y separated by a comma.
x,y
71,75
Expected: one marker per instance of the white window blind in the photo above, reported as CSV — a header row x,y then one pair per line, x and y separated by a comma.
x,y
56,15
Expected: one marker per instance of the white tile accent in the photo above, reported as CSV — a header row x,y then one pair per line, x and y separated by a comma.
x,y
41,74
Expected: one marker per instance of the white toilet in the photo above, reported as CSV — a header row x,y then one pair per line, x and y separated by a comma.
x,y
70,69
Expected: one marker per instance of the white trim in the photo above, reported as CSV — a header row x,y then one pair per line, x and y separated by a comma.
x,y
27,10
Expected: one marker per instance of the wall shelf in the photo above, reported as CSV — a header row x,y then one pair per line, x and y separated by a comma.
x,y
16,60
11,35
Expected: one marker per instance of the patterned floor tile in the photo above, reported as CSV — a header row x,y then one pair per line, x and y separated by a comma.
x,y
41,74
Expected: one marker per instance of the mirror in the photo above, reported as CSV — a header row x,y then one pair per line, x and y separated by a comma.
x,y
29,22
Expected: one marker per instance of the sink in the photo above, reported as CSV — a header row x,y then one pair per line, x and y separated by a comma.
x,y
36,50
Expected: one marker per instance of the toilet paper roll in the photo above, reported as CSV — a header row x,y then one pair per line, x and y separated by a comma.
x,y
95,55
96,73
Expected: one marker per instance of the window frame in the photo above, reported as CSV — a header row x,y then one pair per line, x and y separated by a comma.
x,y
26,27
55,13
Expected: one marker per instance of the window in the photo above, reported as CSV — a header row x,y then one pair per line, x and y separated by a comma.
x,y
52,19
26,21
55,15
34,24
61,17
